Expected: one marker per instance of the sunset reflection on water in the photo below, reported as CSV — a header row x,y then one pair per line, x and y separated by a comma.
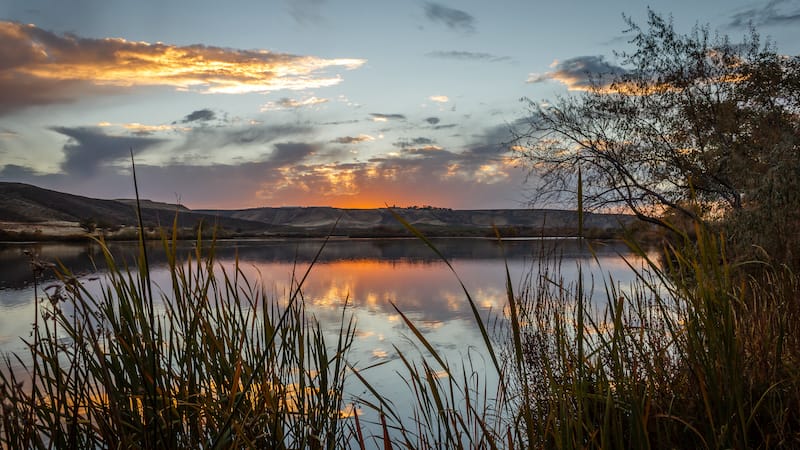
x,y
373,277
427,288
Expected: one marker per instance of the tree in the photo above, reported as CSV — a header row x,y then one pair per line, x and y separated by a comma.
x,y
88,224
691,124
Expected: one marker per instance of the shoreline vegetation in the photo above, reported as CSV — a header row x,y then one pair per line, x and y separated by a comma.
x,y
695,354
59,231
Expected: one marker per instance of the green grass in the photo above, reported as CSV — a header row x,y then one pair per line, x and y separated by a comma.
x,y
698,353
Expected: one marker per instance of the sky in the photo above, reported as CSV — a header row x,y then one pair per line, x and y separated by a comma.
x,y
355,104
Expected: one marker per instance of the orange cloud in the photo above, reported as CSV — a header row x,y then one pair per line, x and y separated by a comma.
x,y
402,181
288,103
582,73
35,59
595,74
143,129
138,128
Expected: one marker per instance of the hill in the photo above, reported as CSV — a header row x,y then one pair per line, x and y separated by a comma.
x,y
26,205
53,212
436,221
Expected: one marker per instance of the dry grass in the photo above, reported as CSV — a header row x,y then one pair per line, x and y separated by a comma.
x,y
697,354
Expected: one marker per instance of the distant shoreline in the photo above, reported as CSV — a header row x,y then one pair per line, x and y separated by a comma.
x,y
30,213
64,231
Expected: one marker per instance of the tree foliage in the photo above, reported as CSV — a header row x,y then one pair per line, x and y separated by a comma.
x,y
88,224
693,124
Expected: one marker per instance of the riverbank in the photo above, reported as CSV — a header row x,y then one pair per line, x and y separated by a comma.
x,y
48,231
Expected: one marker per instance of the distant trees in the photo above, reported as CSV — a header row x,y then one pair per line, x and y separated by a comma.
x,y
693,125
88,224
91,224
425,207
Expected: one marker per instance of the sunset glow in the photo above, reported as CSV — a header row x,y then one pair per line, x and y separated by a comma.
x,y
306,103
118,62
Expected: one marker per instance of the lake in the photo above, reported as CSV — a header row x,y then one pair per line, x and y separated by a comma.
x,y
372,274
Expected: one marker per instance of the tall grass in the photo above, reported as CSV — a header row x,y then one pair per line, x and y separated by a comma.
x,y
214,362
698,353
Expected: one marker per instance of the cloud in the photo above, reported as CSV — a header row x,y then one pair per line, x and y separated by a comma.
x,y
475,165
439,98
353,139
39,67
201,115
432,120
480,176
290,153
579,73
274,166
5,133
219,145
305,11
455,19
17,172
90,152
468,56
420,176
219,186
139,129
88,149
21,92
423,150
775,12
409,143
378,117
289,103
341,122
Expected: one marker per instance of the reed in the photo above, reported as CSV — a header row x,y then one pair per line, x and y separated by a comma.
x,y
698,353
212,362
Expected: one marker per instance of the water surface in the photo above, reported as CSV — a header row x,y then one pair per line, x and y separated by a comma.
x,y
373,275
